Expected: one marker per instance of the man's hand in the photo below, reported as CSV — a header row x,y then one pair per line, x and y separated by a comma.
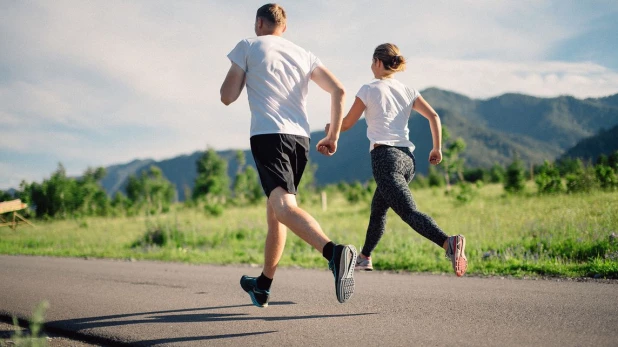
x,y
327,146
435,156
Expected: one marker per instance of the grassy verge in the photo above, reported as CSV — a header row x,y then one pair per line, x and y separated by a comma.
x,y
562,235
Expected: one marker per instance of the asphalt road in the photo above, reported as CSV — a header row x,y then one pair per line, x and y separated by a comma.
x,y
153,303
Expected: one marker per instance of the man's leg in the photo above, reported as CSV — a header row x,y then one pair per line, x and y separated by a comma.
x,y
300,222
275,242
341,257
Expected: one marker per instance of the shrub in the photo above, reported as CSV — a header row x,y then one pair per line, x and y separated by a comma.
x,y
435,178
606,176
419,181
514,180
569,166
548,179
465,192
497,173
583,182
356,192
162,235
35,337
474,175
213,209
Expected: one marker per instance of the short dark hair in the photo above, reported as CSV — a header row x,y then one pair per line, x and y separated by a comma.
x,y
272,13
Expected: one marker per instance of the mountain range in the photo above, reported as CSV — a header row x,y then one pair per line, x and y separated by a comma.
x,y
494,130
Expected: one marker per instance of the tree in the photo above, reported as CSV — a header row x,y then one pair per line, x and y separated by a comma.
x,y
606,177
612,161
54,196
246,185
212,181
434,178
91,199
475,175
121,203
307,182
548,179
5,196
241,161
567,166
514,180
452,162
497,173
151,190
582,182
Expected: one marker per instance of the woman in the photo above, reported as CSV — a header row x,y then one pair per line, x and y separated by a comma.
x,y
387,104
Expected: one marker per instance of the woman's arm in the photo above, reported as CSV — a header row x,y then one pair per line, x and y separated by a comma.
x,y
352,117
421,106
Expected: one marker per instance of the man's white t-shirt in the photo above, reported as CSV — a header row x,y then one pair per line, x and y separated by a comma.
x,y
388,105
278,74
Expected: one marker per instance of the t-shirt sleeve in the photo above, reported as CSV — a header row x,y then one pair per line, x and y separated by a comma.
x,y
238,55
363,94
314,61
414,94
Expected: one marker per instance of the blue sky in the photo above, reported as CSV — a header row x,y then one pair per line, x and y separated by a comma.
x,y
96,83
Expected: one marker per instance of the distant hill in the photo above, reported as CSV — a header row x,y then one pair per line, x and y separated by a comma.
x,y
494,130
611,100
605,142
179,170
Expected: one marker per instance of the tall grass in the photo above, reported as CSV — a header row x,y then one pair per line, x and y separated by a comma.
x,y
561,235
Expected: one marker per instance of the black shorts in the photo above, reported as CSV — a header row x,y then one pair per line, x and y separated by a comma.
x,y
280,160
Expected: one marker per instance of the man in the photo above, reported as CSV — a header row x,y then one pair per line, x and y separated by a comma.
x,y
277,74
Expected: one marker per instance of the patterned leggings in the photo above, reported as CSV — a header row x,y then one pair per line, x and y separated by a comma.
x,y
393,169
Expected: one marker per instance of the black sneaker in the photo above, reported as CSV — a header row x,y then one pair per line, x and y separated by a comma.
x,y
342,265
258,296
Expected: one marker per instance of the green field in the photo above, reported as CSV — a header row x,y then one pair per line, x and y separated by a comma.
x,y
526,235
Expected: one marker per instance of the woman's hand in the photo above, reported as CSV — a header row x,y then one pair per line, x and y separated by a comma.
x,y
435,156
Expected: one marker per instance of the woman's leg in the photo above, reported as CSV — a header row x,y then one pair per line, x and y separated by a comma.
x,y
391,166
377,224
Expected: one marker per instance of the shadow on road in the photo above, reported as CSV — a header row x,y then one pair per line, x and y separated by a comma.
x,y
199,338
189,315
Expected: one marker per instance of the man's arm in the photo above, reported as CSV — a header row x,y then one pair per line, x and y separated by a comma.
x,y
328,82
233,84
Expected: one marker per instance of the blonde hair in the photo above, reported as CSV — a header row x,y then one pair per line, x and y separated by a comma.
x,y
274,14
390,56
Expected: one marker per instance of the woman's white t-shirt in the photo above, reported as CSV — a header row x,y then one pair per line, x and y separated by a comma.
x,y
277,76
388,105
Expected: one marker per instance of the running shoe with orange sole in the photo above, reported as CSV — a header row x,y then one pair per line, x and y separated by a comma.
x,y
456,253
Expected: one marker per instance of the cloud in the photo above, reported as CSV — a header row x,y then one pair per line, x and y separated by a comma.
x,y
90,83
490,78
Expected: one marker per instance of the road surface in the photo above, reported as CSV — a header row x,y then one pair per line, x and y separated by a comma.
x,y
156,303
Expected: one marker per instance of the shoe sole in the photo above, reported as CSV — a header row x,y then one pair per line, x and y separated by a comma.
x,y
344,281
460,263
363,268
255,302
251,294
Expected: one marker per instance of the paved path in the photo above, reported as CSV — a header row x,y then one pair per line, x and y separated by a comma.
x,y
152,303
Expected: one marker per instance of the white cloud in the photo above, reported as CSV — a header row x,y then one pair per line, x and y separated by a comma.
x,y
486,78
97,83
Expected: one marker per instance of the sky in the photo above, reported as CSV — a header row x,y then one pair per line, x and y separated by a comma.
x,y
97,83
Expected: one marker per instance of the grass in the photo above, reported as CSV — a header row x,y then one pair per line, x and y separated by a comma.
x,y
527,235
